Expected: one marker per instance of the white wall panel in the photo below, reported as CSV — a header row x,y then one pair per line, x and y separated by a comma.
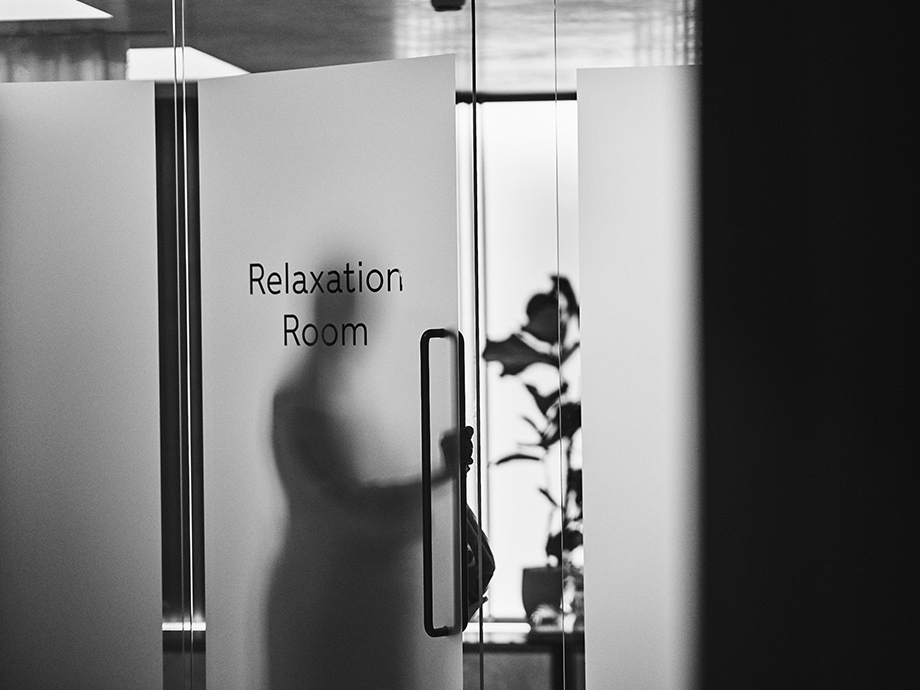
x,y
638,234
80,560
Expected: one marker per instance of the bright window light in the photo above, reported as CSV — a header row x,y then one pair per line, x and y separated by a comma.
x,y
156,64
43,10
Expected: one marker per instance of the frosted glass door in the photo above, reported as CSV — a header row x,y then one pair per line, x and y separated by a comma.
x,y
328,247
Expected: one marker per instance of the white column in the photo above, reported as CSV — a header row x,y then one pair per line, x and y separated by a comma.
x,y
638,234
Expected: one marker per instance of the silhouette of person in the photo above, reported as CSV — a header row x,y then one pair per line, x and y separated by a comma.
x,y
346,573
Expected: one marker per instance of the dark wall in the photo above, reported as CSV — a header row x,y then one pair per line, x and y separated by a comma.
x,y
810,378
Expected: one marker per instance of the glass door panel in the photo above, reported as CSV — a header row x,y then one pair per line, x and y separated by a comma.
x,y
87,576
530,210
328,248
286,36
532,380
80,550
520,108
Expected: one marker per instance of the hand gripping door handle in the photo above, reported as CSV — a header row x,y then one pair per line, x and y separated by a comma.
x,y
458,478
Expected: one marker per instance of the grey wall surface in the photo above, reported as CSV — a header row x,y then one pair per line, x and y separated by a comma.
x,y
80,586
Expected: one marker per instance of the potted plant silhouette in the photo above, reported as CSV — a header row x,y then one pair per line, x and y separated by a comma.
x,y
549,338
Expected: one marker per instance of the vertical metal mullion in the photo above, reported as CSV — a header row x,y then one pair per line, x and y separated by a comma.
x,y
185,329
195,466
563,672
185,314
183,398
173,513
180,378
477,315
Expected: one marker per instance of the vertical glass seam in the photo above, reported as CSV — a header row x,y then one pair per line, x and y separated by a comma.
x,y
476,306
563,459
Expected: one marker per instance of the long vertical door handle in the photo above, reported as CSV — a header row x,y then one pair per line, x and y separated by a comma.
x,y
459,479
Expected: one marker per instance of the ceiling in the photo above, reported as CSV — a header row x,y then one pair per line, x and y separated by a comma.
x,y
521,46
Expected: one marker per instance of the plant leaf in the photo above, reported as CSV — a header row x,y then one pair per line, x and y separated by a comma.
x,y
568,352
562,542
565,289
570,418
565,421
572,539
544,402
514,355
532,423
574,486
543,317
550,434
554,546
549,497
517,456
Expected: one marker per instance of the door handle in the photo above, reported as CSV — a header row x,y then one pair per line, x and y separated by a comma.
x,y
458,478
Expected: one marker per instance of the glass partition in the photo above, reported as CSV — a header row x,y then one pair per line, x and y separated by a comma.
x,y
632,260
363,202
283,40
518,287
83,537
80,585
531,216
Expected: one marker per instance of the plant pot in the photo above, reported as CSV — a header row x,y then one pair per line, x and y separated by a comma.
x,y
541,586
